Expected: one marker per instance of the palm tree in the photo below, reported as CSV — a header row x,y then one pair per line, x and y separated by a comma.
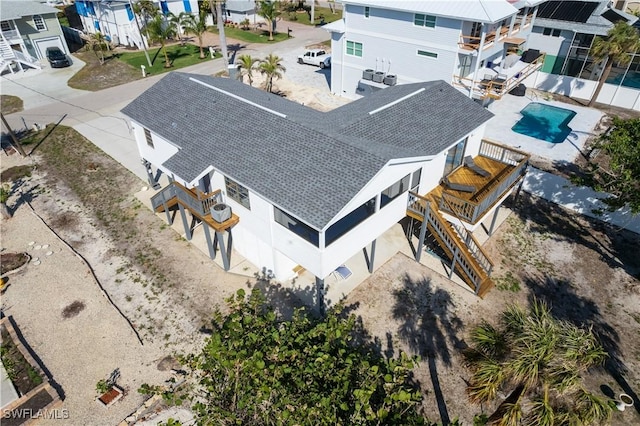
x,y
96,42
272,67
146,10
179,22
539,360
621,41
247,65
269,10
160,31
197,25
216,10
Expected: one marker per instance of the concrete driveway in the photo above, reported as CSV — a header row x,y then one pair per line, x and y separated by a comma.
x,y
41,87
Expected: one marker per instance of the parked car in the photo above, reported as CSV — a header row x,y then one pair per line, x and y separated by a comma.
x,y
317,57
57,58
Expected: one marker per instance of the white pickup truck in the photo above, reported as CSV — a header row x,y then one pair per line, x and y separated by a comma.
x,y
317,57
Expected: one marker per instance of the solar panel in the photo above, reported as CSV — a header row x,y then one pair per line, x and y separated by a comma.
x,y
612,16
573,11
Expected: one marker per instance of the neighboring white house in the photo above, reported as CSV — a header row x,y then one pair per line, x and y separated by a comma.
x,y
28,28
309,189
117,22
238,11
566,31
463,42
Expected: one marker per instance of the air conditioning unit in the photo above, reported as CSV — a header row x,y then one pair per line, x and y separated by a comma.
x,y
367,74
378,77
391,80
221,212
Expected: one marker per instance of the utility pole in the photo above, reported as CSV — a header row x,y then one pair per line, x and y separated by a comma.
x,y
15,140
221,33
144,45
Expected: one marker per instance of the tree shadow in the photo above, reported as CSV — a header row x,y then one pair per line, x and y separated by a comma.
x,y
50,130
616,247
568,306
285,299
428,327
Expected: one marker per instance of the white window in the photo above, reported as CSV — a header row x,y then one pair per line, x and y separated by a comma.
x,y
148,137
551,32
428,54
354,48
422,20
237,192
38,21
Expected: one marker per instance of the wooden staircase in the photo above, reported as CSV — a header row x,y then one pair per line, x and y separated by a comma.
x,y
459,245
198,203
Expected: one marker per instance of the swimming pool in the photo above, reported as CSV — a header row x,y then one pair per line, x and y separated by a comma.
x,y
544,122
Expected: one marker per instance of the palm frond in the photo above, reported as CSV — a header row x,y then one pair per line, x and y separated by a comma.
x,y
489,340
591,409
512,415
513,319
486,381
541,413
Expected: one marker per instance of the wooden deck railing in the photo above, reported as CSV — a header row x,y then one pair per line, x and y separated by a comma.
x,y
457,242
472,210
474,247
194,199
497,89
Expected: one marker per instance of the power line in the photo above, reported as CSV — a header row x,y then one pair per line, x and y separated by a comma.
x,y
99,114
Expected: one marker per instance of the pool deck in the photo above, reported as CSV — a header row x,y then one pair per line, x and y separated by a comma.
x,y
507,113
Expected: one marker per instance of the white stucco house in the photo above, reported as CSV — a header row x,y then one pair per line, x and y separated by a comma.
x,y
237,11
117,22
28,28
566,31
307,190
476,45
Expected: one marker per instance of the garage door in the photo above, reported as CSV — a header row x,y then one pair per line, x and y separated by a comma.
x,y
43,43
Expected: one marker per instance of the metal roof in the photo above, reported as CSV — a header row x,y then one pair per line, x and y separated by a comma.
x,y
16,9
306,162
468,10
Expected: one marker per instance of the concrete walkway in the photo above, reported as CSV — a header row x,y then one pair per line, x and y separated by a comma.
x,y
577,198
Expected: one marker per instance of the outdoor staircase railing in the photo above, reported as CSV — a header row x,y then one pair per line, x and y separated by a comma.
x,y
457,242
473,210
198,202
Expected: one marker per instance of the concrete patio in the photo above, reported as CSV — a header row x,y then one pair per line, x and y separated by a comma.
x,y
507,113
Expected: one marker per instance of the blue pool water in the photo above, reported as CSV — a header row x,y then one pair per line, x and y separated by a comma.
x,y
544,122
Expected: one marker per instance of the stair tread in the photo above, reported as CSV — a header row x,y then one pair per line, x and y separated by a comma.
x,y
485,281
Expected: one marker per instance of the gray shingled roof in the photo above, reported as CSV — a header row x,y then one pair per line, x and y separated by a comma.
x,y
15,9
310,164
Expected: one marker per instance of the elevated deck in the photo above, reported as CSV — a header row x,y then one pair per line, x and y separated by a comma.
x,y
198,203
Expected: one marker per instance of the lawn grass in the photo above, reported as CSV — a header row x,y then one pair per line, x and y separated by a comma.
x,y
320,14
251,36
10,104
180,56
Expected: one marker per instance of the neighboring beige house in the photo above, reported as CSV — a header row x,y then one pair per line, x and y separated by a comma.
x,y
28,28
